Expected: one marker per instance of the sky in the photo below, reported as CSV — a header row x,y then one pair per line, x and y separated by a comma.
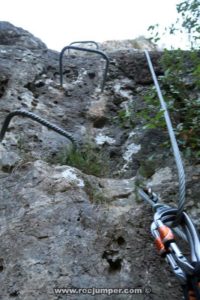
x,y
60,22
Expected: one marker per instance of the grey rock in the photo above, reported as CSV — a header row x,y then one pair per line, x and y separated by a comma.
x,y
140,43
8,159
15,36
60,227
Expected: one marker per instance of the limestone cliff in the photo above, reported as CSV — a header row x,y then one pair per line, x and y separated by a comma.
x,y
63,227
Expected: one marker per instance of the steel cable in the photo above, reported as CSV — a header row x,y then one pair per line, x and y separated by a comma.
x,y
38,119
176,152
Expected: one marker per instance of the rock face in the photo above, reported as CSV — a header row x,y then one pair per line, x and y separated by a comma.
x,y
139,43
15,36
66,227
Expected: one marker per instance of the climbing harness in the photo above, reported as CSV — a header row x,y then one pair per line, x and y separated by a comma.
x,y
38,119
170,223
86,50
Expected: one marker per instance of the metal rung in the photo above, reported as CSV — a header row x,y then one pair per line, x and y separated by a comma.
x,y
85,42
38,119
86,50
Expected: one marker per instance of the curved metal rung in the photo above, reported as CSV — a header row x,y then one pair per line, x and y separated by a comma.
x,y
85,42
40,120
86,50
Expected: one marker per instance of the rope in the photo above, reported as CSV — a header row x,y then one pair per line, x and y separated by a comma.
x,y
40,120
176,152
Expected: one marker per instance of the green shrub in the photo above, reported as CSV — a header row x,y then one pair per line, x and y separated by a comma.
x,y
88,159
181,81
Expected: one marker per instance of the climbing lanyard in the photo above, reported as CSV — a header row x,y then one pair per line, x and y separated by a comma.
x,y
186,270
170,223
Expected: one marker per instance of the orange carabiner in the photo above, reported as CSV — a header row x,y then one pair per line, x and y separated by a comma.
x,y
166,235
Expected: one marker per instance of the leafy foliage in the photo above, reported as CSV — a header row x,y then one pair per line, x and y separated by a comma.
x,y
181,80
187,24
190,13
180,84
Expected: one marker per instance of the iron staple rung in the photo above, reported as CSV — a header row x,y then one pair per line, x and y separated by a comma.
x,y
37,119
86,50
85,42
